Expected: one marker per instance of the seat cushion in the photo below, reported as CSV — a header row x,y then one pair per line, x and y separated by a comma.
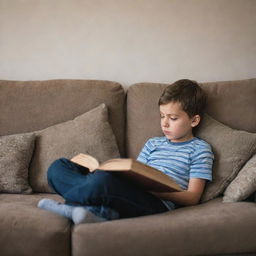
x,y
208,229
28,230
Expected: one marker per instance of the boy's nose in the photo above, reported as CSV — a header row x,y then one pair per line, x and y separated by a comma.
x,y
165,123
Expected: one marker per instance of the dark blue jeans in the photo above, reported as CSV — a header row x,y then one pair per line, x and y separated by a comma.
x,y
101,188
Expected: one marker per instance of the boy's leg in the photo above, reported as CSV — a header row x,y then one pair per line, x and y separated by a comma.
x,y
102,188
67,175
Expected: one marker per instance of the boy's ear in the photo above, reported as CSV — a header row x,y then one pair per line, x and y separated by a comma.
x,y
195,120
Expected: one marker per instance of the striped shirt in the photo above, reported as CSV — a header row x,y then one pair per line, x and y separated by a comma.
x,y
180,160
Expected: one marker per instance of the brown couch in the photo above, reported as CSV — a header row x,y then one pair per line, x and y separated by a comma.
x,y
210,228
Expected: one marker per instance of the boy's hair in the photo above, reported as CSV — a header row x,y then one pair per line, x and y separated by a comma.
x,y
188,93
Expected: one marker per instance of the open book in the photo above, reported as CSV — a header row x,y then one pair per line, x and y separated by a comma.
x,y
143,175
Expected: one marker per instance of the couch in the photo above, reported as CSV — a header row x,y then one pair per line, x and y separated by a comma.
x,y
224,223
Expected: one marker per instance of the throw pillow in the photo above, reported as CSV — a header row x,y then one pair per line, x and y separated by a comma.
x,y
231,148
15,155
88,133
244,184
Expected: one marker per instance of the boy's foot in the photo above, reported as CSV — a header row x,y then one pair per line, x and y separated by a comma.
x,y
83,215
76,213
56,207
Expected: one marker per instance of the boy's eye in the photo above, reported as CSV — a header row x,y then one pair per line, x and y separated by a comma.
x,y
171,118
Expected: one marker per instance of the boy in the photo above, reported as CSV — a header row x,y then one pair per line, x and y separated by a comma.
x,y
101,196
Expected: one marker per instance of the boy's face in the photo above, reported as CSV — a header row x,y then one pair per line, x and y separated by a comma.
x,y
175,123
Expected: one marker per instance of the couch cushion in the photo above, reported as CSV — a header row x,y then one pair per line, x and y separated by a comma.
x,y
208,229
89,133
40,104
232,148
28,230
15,156
143,113
244,184
228,102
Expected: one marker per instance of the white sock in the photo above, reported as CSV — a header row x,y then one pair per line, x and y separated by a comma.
x,y
83,215
56,207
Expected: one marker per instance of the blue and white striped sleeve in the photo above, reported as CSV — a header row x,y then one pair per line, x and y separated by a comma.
x,y
145,152
201,164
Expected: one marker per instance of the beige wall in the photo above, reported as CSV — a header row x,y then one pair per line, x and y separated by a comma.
x,y
128,41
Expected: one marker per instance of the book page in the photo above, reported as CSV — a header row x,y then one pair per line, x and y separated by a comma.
x,y
87,161
117,164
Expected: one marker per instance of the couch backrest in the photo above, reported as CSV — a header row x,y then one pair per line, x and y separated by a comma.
x,y
231,102
33,105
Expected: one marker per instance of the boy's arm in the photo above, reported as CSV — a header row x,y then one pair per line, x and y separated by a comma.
x,y
200,171
145,152
189,197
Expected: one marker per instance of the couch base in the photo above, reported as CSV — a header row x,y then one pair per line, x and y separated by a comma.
x,y
27,230
212,228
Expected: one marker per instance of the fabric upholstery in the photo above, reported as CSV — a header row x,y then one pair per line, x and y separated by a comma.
x,y
232,148
28,230
212,228
15,156
244,184
45,103
143,113
228,101
89,133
